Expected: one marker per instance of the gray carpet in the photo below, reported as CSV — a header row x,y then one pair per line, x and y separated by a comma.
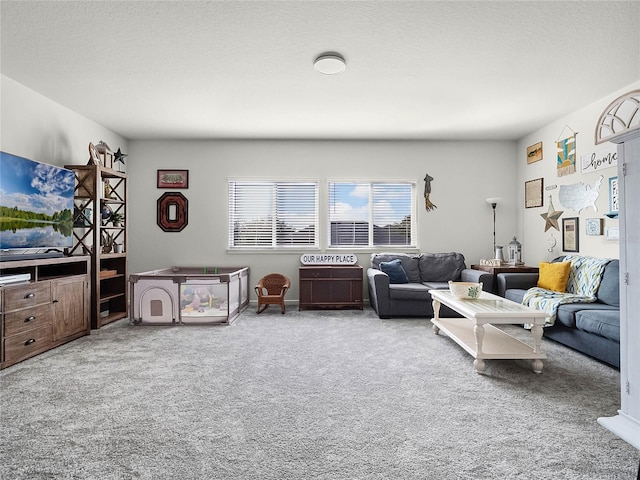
x,y
312,395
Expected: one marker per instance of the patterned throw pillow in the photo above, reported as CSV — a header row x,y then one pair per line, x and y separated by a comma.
x,y
554,276
395,271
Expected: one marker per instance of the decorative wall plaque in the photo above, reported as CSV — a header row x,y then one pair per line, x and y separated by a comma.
x,y
172,212
173,179
328,259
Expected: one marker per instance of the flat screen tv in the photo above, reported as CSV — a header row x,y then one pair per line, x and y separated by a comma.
x,y
36,208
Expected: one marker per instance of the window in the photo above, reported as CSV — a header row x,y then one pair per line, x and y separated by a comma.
x,y
371,214
273,214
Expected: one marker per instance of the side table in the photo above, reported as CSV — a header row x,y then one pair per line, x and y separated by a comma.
x,y
504,269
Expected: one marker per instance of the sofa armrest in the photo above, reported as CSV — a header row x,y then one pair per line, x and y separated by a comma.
x,y
522,281
478,276
379,292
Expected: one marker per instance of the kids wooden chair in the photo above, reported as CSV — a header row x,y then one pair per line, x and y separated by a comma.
x,y
271,290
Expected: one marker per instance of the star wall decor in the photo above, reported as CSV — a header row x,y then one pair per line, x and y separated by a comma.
x,y
120,156
551,217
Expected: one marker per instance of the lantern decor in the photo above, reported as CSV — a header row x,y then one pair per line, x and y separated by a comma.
x,y
515,252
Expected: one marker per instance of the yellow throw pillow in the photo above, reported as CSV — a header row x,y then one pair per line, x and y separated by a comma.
x,y
554,276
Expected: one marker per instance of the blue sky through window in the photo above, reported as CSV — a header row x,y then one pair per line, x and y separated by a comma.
x,y
351,202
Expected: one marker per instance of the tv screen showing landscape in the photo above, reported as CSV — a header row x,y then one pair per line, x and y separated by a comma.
x,y
36,205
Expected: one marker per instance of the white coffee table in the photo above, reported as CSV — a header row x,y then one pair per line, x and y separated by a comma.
x,y
476,333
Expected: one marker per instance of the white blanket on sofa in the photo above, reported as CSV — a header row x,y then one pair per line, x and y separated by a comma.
x,y
584,280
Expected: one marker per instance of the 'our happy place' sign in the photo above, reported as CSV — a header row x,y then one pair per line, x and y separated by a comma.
x,y
328,259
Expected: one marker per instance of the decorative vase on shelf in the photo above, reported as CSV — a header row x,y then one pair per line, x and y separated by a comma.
x,y
105,213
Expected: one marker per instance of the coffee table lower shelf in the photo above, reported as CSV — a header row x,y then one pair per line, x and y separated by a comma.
x,y
496,344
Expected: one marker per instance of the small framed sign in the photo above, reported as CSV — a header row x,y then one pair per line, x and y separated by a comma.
x,y
614,203
594,226
533,193
570,235
173,179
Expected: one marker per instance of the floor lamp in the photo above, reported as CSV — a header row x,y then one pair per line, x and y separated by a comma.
x,y
493,202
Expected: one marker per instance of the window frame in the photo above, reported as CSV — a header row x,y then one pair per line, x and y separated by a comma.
x,y
274,215
371,214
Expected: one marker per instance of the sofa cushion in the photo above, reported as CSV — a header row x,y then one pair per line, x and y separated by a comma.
x,y
554,276
441,267
409,291
395,271
409,263
515,294
605,323
436,285
609,290
568,312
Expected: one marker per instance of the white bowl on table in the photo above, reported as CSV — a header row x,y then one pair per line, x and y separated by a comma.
x,y
465,290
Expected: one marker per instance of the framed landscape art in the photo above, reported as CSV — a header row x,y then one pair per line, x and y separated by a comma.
x,y
534,153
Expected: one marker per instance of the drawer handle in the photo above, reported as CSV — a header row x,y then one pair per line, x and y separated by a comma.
x,y
30,319
30,341
30,295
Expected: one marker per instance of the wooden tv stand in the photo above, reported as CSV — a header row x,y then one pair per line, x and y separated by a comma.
x,y
50,309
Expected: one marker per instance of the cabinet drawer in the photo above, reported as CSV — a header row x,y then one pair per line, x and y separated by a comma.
x,y
27,319
344,273
27,343
26,295
315,272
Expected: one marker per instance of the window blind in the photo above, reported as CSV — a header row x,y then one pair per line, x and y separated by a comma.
x,y
273,214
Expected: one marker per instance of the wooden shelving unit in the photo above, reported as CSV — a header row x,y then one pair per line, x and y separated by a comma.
x,y
99,192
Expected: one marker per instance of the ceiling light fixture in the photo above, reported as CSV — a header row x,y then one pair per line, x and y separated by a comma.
x,y
330,64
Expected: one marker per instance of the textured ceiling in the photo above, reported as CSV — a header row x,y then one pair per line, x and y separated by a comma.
x,y
244,69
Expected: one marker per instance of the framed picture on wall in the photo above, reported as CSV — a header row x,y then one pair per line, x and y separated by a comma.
x,y
533,193
570,234
534,153
614,204
173,179
594,226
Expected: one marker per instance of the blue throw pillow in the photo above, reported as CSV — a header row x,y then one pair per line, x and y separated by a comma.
x,y
395,271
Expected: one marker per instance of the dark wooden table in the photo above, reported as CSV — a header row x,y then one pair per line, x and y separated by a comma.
x,y
504,269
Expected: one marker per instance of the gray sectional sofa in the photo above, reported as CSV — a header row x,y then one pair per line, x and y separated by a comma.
x,y
408,296
590,328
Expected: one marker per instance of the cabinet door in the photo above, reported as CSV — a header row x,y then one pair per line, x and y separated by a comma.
x,y
347,285
321,291
70,306
341,291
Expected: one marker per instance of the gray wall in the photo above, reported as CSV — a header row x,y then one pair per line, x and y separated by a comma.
x,y
34,127
530,224
465,174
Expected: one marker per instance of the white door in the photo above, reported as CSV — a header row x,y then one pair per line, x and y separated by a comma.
x,y
629,182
